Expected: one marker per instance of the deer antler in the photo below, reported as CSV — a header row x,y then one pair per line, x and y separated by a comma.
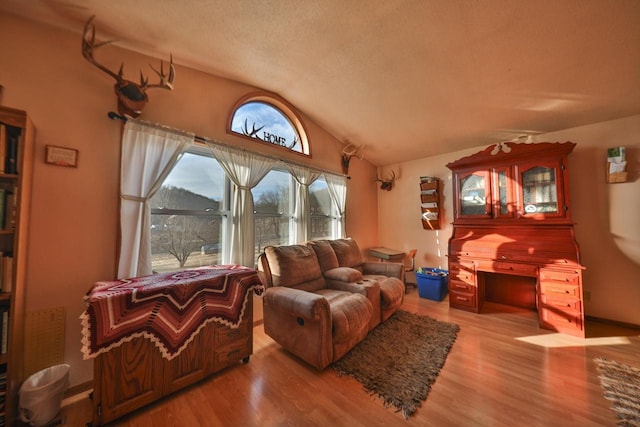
x,y
348,151
132,97
387,184
89,46
166,81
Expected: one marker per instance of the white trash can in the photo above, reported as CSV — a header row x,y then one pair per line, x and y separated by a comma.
x,y
40,396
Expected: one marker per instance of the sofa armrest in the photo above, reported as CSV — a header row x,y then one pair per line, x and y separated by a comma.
x,y
367,287
306,305
389,269
364,287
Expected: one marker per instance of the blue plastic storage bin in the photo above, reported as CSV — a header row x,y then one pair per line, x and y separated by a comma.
x,y
432,283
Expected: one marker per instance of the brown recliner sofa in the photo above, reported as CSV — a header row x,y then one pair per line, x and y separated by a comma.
x,y
305,314
318,309
389,275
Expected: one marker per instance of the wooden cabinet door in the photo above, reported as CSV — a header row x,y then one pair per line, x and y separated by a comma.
x,y
504,201
130,376
540,190
191,364
472,194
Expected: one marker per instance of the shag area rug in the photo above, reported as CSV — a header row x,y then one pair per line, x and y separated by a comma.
x,y
621,384
400,359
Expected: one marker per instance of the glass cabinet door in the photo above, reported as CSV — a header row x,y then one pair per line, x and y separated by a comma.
x,y
504,203
474,197
541,190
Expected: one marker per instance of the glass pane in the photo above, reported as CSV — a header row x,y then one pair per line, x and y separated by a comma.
x,y
191,235
272,194
539,190
195,183
473,195
272,205
184,241
321,210
265,122
502,189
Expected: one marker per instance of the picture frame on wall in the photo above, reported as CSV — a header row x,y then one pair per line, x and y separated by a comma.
x,y
61,156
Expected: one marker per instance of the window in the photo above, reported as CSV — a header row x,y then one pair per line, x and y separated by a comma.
x,y
271,120
272,199
324,215
188,215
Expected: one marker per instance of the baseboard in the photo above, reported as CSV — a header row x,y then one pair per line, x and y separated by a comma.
x,y
612,322
77,392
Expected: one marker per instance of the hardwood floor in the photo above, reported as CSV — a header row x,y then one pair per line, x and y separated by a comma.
x,y
503,370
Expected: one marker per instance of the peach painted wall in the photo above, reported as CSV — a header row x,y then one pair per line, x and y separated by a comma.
x,y
611,278
75,210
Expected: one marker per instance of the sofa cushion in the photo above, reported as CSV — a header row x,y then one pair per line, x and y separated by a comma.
x,y
344,274
350,314
391,293
347,252
326,256
294,266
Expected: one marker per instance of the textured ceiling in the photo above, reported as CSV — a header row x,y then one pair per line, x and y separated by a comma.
x,y
407,78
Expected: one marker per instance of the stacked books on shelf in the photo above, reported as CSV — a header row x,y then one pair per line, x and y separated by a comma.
x,y
9,141
3,393
4,329
7,208
6,272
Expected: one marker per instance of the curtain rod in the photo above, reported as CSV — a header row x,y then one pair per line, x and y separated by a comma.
x,y
115,116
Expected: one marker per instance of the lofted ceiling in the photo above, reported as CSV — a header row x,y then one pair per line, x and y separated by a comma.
x,y
406,78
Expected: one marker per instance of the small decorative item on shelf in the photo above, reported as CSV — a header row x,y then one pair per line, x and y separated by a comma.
x,y
430,202
616,165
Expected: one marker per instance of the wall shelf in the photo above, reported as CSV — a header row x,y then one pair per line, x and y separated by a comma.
x,y
430,203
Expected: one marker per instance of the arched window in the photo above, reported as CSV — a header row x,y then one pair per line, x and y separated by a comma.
x,y
269,119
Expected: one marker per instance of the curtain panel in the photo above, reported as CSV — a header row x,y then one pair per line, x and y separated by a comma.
x,y
304,177
148,155
337,185
245,170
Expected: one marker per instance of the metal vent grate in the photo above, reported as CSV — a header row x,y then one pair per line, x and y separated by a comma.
x,y
44,339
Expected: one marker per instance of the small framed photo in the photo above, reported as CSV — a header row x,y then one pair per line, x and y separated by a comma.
x,y
61,156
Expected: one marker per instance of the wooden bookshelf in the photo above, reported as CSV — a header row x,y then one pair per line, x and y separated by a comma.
x,y
16,171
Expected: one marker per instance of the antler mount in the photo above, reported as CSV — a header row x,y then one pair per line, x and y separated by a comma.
x,y
132,97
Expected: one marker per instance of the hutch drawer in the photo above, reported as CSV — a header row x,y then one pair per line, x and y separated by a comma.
x,y
463,300
458,286
558,303
561,321
560,289
560,276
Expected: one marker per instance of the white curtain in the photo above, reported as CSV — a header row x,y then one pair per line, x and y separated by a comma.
x,y
148,154
245,170
302,214
337,185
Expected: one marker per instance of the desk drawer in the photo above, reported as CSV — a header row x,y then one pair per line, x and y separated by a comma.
x,y
555,289
462,273
562,321
515,268
458,286
560,276
558,303
462,299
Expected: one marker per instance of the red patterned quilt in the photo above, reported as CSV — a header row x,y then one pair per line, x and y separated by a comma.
x,y
169,308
